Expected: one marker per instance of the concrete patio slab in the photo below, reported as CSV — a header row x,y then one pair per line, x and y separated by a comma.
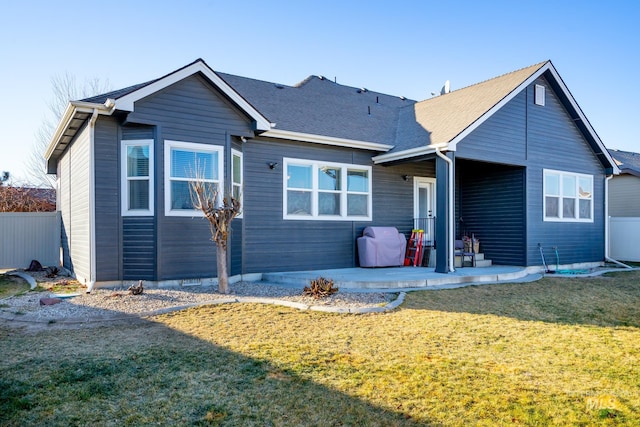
x,y
403,278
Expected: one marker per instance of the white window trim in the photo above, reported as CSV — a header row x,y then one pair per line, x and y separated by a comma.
x,y
124,179
315,164
191,146
560,209
237,153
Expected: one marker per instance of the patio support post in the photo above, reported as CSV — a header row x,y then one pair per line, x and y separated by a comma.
x,y
442,215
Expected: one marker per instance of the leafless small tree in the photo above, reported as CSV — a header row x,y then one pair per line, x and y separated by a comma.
x,y
204,197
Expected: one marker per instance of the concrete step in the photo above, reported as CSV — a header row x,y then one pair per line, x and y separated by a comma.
x,y
480,261
483,263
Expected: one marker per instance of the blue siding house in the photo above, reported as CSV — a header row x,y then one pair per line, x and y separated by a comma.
x,y
511,160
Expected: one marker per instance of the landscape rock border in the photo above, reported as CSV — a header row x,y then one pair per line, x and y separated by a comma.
x,y
14,317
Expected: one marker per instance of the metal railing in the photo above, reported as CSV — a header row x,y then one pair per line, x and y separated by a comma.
x,y
428,225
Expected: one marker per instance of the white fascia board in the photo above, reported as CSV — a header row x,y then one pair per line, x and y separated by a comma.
x,y
73,108
583,118
326,140
407,154
126,102
548,66
453,143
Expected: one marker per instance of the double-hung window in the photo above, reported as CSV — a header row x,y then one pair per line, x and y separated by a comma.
x,y
568,196
137,177
326,191
237,178
186,162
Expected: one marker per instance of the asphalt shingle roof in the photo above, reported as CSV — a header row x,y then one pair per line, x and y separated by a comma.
x,y
441,118
627,161
321,107
115,94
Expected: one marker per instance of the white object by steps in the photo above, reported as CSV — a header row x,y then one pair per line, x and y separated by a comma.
x,y
480,261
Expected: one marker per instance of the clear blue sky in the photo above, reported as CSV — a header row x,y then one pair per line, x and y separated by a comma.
x,y
402,48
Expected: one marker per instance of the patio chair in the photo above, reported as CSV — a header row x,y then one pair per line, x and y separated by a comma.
x,y
459,251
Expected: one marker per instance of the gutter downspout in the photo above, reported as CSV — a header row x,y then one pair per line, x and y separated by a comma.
x,y
451,209
92,202
606,224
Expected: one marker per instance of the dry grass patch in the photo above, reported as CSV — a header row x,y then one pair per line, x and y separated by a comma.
x,y
555,352
609,300
12,286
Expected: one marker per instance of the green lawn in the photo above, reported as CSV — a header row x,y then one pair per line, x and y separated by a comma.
x,y
561,351
12,285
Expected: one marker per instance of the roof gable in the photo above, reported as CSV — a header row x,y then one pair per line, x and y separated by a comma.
x,y
444,121
126,101
450,116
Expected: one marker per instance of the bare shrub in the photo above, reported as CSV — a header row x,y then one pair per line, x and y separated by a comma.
x,y
320,288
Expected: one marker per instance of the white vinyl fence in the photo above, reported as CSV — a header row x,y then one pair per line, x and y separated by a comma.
x,y
25,236
624,238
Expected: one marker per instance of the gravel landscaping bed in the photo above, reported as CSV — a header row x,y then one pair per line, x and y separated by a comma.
x,y
114,303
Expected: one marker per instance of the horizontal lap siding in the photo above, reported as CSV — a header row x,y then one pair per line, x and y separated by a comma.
x,y
623,196
77,224
107,200
138,248
491,196
555,143
64,206
492,200
393,196
186,248
235,247
536,137
132,132
275,244
502,138
190,111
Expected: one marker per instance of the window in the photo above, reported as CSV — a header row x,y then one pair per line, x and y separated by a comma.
x,y
326,191
568,196
539,95
236,178
137,177
183,163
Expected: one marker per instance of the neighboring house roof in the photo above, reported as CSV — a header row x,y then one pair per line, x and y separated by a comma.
x,y
319,110
627,161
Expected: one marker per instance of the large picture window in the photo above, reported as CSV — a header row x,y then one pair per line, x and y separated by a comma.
x,y
184,163
568,196
137,177
326,191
